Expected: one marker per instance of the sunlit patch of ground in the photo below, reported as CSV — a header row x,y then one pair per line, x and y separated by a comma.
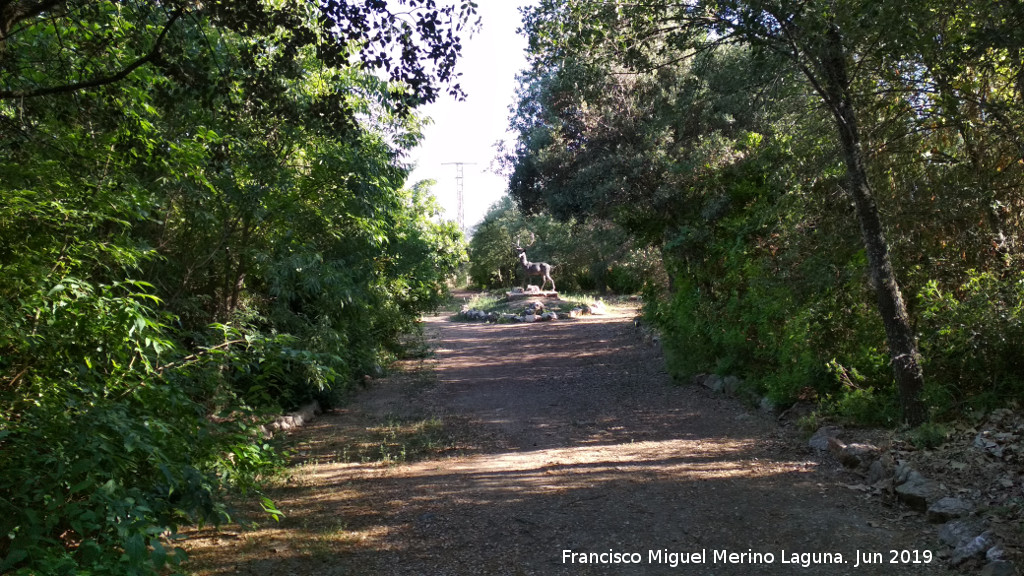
x,y
331,507
512,443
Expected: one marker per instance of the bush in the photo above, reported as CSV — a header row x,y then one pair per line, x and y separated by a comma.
x,y
929,435
106,446
972,340
175,272
864,406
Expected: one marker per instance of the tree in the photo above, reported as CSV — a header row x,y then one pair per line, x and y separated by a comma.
x,y
418,47
821,42
204,222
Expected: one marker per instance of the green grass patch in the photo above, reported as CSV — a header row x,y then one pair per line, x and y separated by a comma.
x,y
397,441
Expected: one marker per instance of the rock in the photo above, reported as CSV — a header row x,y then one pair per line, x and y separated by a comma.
x,y
986,444
853,455
995,553
820,439
766,405
730,385
529,317
901,473
713,382
974,548
554,315
881,470
1001,445
917,491
303,416
999,568
575,312
959,532
699,379
597,308
949,508
866,453
999,415
837,447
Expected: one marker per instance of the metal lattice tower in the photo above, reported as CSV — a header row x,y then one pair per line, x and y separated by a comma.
x,y
460,191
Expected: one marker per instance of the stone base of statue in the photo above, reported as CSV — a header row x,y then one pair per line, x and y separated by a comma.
x,y
531,291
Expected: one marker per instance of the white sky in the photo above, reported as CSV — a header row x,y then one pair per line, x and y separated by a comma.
x,y
467,131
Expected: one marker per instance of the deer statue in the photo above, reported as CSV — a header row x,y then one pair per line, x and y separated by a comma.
x,y
534,268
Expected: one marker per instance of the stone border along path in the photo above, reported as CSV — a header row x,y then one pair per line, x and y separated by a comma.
x,y
567,437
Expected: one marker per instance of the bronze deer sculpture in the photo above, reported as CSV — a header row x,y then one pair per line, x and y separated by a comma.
x,y
535,268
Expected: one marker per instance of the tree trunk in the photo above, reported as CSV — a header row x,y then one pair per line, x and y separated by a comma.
x,y
906,362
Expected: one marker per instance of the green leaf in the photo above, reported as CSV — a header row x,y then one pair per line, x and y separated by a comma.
x,y
14,556
135,548
270,508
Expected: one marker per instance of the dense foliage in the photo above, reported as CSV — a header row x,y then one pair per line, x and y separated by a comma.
x,y
203,220
838,201
593,255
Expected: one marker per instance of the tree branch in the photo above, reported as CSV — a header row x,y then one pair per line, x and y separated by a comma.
x,y
12,12
194,357
96,82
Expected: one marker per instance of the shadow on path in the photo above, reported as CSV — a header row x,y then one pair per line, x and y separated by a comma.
x,y
590,449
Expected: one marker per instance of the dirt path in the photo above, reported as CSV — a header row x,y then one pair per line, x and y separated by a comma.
x,y
534,440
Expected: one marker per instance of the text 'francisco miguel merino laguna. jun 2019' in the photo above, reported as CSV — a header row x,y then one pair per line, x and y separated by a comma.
x,y
802,559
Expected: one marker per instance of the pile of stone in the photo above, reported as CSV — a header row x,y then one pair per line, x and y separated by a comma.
x,y
962,528
1002,436
535,312
478,315
597,309
733,386
304,415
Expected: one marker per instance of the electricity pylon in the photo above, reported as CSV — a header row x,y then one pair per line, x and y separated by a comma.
x,y
459,192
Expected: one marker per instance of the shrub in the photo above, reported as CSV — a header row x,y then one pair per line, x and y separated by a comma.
x,y
972,340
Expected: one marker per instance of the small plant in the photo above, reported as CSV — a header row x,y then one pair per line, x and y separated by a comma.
x,y
867,407
809,423
398,441
929,435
